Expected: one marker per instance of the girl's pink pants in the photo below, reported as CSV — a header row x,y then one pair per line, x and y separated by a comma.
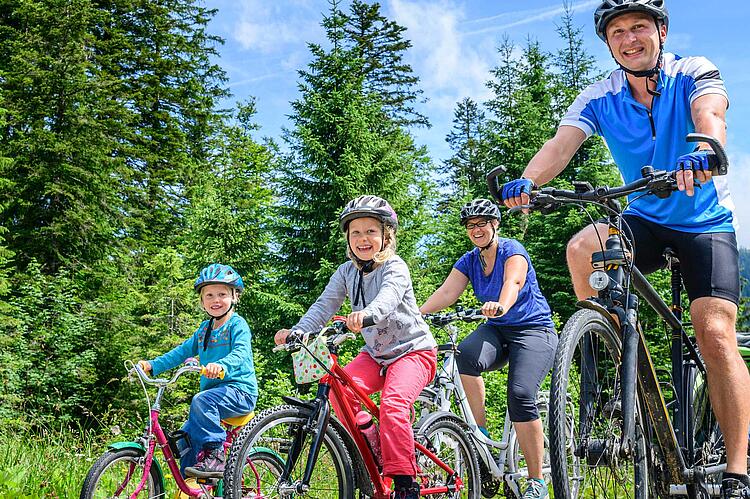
x,y
401,385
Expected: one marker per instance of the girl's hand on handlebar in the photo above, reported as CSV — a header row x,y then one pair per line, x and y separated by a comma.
x,y
212,370
354,321
281,336
145,366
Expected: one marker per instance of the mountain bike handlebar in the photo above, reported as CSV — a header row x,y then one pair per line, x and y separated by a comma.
x,y
469,315
659,182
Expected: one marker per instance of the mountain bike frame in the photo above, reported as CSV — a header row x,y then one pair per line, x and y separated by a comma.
x,y
332,389
639,380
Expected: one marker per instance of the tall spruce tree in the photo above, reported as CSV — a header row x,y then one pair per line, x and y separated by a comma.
x,y
343,144
469,138
161,56
462,179
59,133
379,42
110,111
576,70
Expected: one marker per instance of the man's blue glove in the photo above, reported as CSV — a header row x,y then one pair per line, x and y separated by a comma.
x,y
514,188
695,161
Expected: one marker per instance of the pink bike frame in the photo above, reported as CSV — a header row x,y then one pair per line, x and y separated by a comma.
x,y
161,439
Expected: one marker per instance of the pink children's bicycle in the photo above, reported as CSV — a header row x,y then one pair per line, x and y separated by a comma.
x,y
129,470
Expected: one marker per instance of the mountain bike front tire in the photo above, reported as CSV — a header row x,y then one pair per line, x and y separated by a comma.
x,y
446,437
587,369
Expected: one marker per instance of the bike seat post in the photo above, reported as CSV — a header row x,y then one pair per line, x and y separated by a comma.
x,y
673,264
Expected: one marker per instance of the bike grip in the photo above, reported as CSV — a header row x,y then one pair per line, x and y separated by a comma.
x,y
492,183
720,164
368,321
221,374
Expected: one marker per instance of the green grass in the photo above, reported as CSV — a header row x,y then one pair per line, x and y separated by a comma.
x,y
50,463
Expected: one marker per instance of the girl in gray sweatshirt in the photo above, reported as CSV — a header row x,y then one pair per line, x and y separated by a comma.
x,y
399,356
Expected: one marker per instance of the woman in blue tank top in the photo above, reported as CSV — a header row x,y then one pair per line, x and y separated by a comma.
x,y
520,331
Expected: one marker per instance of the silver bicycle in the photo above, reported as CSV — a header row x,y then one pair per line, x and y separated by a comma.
x,y
501,461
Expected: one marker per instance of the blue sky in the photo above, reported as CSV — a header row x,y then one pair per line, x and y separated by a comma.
x,y
454,47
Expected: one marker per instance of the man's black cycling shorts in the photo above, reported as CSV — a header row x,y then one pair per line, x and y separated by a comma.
x,y
709,262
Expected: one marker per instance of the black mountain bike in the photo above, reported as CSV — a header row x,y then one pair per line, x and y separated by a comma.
x,y
630,441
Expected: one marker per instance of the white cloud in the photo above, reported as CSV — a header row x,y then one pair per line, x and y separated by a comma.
x,y
521,17
271,27
449,67
739,179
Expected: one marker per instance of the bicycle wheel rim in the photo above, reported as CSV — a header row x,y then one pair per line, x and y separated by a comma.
x,y
447,439
266,442
118,474
594,432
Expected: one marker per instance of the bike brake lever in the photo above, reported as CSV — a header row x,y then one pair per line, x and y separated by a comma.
x,y
342,338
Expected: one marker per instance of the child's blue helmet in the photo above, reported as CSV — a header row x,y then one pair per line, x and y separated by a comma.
x,y
217,273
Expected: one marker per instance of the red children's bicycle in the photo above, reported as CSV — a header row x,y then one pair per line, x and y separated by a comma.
x,y
323,456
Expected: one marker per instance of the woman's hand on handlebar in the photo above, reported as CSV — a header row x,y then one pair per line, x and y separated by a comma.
x,y
145,366
492,309
281,336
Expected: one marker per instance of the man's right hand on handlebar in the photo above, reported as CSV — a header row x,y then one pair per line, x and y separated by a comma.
x,y
516,192
145,366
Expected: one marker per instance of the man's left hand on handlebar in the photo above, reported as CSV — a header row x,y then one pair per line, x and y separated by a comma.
x,y
690,167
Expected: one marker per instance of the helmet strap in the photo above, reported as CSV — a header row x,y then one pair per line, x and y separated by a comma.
x,y
482,249
359,283
210,327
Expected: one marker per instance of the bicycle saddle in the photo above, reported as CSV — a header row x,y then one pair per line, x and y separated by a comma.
x,y
670,255
743,339
239,420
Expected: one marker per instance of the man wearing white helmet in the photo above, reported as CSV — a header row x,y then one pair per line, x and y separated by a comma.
x,y
644,110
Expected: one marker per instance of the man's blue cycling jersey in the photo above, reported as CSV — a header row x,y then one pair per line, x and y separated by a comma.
x,y
637,137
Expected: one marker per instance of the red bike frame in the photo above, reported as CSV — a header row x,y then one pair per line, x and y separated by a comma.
x,y
340,381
